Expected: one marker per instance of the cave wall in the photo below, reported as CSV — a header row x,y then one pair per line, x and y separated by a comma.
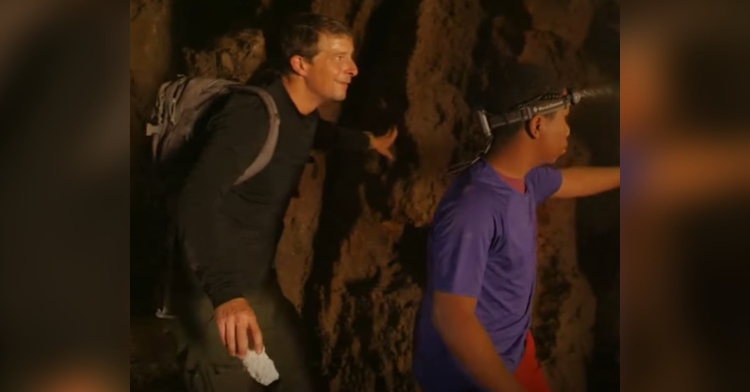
x,y
352,257
151,63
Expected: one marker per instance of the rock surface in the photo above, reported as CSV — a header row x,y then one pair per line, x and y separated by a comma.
x,y
352,257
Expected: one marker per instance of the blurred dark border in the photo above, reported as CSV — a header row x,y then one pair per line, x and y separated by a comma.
x,y
64,202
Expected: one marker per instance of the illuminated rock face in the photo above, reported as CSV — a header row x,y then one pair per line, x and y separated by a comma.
x,y
352,256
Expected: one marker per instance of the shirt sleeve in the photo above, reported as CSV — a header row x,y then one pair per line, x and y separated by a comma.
x,y
331,136
545,181
237,133
459,246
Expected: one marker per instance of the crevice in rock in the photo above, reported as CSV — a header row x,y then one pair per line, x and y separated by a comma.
x,y
554,289
384,56
411,251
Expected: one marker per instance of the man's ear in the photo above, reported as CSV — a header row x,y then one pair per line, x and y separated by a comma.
x,y
299,65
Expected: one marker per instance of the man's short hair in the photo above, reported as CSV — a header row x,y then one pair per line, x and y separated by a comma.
x,y
300,34
515,84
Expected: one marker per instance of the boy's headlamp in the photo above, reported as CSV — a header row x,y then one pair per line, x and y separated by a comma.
x,y
539,106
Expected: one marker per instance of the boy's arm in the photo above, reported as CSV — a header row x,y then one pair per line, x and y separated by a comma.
x,y
454,318
587,181
459,247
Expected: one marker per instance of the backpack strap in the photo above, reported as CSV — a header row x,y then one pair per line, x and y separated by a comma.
x,y
264,157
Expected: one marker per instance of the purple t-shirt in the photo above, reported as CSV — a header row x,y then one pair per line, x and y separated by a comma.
x,y
482,245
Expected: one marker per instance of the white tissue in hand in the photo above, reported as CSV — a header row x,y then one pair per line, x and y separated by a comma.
x,y
260,367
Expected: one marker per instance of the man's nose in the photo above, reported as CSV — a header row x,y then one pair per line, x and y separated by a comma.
x,y
352,70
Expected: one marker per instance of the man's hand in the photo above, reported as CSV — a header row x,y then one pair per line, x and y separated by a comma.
x,y
382,144
235,318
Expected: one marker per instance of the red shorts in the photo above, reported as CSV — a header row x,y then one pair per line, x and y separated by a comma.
x,y
529,371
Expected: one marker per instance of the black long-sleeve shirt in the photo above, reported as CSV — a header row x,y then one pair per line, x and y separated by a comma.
x,y
231,232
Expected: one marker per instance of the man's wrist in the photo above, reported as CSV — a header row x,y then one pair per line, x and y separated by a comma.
x,y
370,140
223,296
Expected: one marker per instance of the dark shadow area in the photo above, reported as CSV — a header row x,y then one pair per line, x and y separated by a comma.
x,y
412,257
713,268
514,10
557,288
363,287
377,100
340,210
199,23
713,273
486,58
712,77
596,124
599,258
604,31
358,309
378,97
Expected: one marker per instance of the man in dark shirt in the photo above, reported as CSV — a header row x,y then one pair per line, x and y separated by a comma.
x,y
230,233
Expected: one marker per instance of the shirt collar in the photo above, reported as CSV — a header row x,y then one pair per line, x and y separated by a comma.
x,y
277,90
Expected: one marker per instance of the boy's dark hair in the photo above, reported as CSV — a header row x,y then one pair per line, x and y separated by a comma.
x,y
299,37
515,84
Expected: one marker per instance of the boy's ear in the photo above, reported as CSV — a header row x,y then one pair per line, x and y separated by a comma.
x,y
534,127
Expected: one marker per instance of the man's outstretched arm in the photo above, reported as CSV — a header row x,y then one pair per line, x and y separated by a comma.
x,y
587,181
329,136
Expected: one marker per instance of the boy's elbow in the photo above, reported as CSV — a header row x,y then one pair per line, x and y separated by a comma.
x,y
447,309
438,318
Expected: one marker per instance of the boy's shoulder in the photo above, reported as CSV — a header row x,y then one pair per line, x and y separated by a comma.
x,y
473,196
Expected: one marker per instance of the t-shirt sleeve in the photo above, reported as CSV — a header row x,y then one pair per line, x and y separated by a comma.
x,y
545,181
459,246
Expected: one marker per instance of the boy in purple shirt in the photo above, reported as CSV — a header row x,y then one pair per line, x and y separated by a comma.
x,y
472,329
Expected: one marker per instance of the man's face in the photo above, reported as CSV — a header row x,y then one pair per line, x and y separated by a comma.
x,y
331,71
553,136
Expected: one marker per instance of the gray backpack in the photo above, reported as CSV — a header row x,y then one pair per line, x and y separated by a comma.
x,y
182,101
173,124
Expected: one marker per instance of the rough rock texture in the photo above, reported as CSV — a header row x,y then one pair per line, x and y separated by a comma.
x,y
236,56
352,257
